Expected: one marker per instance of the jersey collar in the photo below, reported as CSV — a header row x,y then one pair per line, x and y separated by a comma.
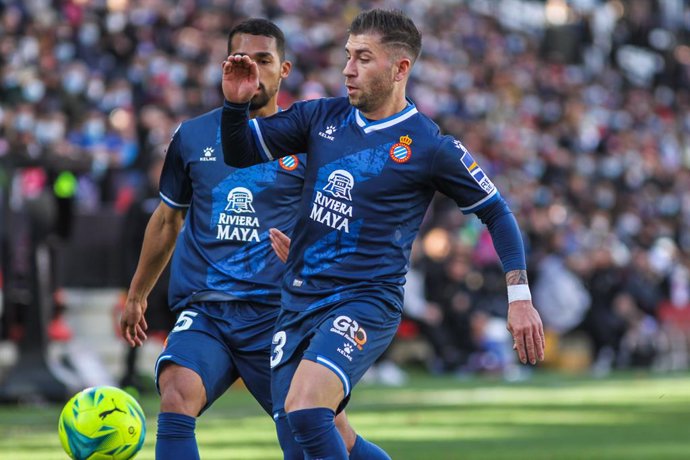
x,y
370,126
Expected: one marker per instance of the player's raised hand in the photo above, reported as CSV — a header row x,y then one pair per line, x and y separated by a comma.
x,y
280,243
133,324
240,78
527,330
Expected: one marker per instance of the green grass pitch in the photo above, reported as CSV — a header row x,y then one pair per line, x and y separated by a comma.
x,y
626,417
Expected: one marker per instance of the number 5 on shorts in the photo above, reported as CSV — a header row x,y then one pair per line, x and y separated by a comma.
x,y
279,339
184,321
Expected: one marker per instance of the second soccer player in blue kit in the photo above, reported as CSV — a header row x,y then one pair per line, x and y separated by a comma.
x,y
224,282
373,165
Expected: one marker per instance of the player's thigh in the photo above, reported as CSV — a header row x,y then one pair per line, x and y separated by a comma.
x,y
199,348
345,340
352,338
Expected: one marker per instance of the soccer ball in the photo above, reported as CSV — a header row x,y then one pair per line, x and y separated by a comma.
x,y
102,423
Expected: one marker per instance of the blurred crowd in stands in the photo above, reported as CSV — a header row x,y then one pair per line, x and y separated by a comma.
x,y
579,111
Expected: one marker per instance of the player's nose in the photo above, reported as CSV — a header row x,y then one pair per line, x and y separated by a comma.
x,y
349,69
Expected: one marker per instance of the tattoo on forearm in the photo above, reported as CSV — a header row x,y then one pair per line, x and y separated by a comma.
x,y
516,277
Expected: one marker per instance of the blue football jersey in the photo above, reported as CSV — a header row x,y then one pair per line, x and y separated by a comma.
x,y
223,251
366,190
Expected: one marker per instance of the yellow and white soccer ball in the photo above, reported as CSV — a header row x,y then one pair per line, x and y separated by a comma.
x,y
102,423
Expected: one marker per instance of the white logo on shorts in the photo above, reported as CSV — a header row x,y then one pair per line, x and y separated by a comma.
x,y
351,330
345,350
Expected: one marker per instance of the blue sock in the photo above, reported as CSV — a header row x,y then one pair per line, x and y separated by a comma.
x,y
175,438
314,429
291,449
365,450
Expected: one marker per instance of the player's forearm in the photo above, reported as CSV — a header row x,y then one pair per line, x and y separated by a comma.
x,y
239,150
506,236
507,240
159,243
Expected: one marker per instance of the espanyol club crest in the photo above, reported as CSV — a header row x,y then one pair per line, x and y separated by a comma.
x,y
289,163
401,152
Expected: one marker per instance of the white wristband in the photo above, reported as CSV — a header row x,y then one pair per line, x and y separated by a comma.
x,y
518,292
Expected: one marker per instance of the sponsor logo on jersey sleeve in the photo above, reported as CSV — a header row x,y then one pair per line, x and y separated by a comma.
x,y
332,210
289,163
474,169
401,152
238,223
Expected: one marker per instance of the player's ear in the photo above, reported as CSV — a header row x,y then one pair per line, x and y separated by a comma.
x,y
285,68
402,68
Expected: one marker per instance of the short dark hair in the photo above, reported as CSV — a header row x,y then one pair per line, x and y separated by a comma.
x,y
395,28
259,26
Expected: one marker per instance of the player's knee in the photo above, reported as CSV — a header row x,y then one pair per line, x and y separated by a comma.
x,y
314,386
292,403
173,400
182,391
300,399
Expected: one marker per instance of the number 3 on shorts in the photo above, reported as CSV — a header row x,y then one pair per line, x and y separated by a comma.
x,y
279,339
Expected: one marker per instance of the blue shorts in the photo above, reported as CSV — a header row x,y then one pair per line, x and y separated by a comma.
x,y
221,342
347,338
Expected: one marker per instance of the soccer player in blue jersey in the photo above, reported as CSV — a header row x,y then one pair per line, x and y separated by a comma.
x,y
225,277
374,163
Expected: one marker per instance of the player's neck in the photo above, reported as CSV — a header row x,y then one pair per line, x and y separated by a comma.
x,y
265,111
387,109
